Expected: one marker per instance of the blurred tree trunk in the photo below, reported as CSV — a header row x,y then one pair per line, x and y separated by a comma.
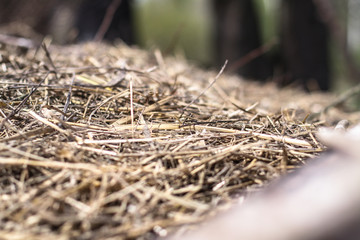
x,y
304,44
237,34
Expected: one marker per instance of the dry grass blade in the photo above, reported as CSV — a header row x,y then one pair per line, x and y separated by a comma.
x,y
50,164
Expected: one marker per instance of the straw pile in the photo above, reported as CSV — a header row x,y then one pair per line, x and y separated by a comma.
x,y
102,142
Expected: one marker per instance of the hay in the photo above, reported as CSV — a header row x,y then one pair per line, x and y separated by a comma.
x,y
101,142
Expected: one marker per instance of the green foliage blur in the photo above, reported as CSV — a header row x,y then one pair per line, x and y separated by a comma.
x,y
175,26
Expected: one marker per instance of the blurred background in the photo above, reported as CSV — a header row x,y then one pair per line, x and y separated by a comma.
x,y
312,44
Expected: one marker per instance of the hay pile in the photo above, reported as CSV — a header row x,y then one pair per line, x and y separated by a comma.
x,y
101,142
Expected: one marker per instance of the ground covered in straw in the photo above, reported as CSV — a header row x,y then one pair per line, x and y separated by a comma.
x,y
102,142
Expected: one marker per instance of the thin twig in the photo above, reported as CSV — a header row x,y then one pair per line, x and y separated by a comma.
x,y
47,53
109,15
340,99
68,98
251,56
207,88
